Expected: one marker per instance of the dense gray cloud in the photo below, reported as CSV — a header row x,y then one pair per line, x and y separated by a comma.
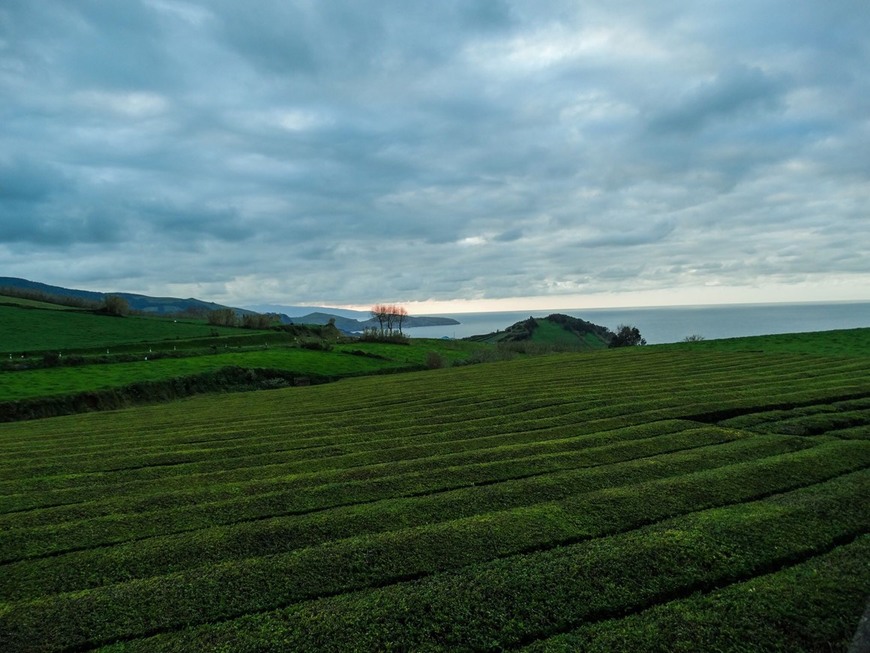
x,y
346,152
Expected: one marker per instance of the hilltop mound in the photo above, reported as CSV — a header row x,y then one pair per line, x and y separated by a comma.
x,y
556,329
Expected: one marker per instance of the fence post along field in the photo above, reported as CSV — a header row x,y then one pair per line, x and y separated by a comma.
x,y
706,495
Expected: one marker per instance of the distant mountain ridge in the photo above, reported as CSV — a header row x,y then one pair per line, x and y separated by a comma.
x,y
352,326
164,306
346,319
143,303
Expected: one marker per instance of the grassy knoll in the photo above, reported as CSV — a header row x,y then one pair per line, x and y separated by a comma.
x,y
555,332
550,333
658,498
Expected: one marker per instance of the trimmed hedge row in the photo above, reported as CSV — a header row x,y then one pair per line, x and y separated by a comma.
x,y
165,554
227,590
51,539
681,374
190,460
194,489
789,611
503,603
179,464
818,423
330,464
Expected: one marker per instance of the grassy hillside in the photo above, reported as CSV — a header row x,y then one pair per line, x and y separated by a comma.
x,y
839,342
657,498
41,329
23,302
150,305
62,361
338,361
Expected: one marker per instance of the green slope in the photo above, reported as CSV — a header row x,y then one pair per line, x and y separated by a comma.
x,y
556,331
655,498
28,329
63,361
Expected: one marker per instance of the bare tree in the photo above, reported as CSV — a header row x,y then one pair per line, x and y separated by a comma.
x,y
390,318
401,315
379,313
115,305
257,320
222,317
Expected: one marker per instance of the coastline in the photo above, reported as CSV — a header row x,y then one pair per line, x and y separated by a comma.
x,y
664,324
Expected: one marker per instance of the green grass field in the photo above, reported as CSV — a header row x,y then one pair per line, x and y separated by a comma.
x,y
340,361
840,342
90,353
45,329
678,498
19,302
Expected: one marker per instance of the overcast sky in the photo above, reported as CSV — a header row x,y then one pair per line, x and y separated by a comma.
x,y
508,154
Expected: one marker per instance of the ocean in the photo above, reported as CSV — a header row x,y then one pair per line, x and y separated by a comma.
x,y
674,323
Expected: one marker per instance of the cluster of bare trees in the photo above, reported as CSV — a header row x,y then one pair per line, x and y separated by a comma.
x,y
389,318
222,317
229,317
115,305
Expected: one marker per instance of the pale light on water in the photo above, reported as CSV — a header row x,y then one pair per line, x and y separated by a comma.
x,y
673,323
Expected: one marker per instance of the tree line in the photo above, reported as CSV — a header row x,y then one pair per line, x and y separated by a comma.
x,y
228,317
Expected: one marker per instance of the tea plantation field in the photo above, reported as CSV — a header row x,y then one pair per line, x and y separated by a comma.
x,y
674,498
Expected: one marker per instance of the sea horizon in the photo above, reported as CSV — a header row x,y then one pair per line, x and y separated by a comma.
x,y
665,324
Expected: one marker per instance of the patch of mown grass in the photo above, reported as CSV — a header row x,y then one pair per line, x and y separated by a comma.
x,y
139,370
60,381
63,381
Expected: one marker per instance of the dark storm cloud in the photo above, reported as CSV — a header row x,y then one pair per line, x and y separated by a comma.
x,y
733,93
352,152
25,180
640,235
